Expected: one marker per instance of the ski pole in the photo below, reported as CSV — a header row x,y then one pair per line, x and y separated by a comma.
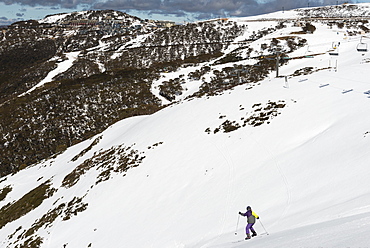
x,y
263,227
237,224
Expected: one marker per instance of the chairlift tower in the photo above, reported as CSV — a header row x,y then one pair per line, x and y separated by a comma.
x,y
277,52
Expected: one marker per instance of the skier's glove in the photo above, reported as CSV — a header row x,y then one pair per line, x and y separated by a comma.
x,y
240,213
258,217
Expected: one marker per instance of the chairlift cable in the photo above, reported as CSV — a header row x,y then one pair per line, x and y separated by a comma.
x,y
341,88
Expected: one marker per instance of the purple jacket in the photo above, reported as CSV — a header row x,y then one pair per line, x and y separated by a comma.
x,y
250,215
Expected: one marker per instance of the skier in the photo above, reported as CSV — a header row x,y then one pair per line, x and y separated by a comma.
x,y
252,216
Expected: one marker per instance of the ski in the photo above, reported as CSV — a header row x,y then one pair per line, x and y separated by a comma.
x,y
259,235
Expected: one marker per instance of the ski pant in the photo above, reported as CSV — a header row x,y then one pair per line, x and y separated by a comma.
x,y
249,227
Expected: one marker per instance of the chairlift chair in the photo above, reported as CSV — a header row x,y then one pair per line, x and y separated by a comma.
x,y
362,46
335,51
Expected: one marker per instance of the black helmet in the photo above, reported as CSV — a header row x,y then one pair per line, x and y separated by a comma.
x,y
249,208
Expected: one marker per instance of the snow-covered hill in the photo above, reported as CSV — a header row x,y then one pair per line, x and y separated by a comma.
x,y
294,147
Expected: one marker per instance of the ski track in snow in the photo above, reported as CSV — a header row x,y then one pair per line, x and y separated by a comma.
x,y
62,67
230,189
282,175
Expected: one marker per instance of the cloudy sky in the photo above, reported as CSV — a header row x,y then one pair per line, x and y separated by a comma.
x,y
176,10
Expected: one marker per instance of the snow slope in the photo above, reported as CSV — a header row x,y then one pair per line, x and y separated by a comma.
x,y
306,173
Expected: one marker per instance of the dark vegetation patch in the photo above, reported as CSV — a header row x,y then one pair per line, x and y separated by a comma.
x,y
308,70
114,160
31,200
294,43
201,33
229,58
172,88
65,211
230,77
194,60
4,192
155,145
287,44
226,127
13,234
66,112
259,115
84,151
25,55
198,74
75,206
32,242
45,221
303,71
18,80
309,28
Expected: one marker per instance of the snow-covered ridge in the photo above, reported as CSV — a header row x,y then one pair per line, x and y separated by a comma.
x,y
54,18
88,15
335,11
